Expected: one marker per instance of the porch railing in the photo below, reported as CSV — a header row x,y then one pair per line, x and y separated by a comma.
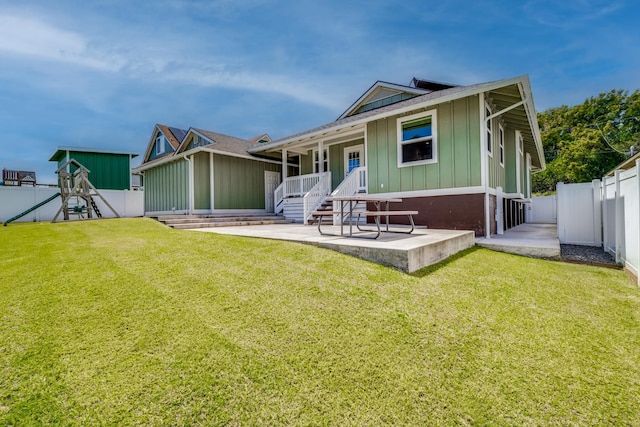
x,y
294,186
354,183
314,197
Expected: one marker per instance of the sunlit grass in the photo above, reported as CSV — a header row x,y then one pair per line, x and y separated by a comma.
x,y
127,322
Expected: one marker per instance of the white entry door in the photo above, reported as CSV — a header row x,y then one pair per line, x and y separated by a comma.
x,y
353,158
271,182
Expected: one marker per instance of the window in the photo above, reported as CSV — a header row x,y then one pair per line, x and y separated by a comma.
x,y
489,135
417,139
198,141
316,163
501,141
160,144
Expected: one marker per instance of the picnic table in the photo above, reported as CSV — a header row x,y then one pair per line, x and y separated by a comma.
x,y
381,204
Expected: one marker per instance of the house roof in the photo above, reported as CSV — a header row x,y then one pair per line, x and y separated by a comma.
x,y
61,152
219,143
511,91
174,135
380,84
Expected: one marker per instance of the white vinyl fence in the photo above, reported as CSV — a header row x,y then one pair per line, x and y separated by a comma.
x,y
604,213
14,200
579,216
542,210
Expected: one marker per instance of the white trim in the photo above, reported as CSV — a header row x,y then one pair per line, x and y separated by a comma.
x,y
519,159
379,84
352,149
366,156
475,90
455,191
434,138
488,129
501,152
212,192
153,163
528,176
483,144
313,159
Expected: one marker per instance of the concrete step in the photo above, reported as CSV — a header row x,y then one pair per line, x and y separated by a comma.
x,y
230,223
192,220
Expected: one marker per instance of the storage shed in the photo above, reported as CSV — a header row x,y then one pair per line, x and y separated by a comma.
x,y
110,170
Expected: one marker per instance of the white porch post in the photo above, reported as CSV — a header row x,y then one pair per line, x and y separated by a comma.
x,y
284,164
211,183
320,157
499,211
191,184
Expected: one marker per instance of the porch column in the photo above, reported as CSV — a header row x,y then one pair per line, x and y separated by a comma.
x,y
284,164
320,157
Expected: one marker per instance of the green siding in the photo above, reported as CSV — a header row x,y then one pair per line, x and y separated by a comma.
x,y
167,187
107,171
510,168
306,164
458,151
201,181
336,161
239,183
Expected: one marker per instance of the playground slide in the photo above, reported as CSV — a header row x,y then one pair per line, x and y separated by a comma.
x,y
31,209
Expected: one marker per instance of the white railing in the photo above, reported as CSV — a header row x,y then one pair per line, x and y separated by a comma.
x,y
301,184
314,197
354,183
278,197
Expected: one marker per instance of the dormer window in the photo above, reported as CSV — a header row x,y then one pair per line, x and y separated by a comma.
x,y
160,144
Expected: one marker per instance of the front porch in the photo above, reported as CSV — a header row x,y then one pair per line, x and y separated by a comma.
x,y
298,196
406,252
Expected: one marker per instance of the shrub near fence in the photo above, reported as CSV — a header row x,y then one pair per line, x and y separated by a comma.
x,y
14,200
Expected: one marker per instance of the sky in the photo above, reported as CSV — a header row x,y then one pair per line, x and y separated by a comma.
x,y
102,73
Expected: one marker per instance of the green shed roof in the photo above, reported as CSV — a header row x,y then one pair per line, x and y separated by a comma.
x,y
61,152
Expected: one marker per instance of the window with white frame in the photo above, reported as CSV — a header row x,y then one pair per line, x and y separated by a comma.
x,y
489,131
316,161
501,141
160,144
417,139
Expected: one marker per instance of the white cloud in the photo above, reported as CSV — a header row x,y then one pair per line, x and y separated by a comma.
x,y
38,40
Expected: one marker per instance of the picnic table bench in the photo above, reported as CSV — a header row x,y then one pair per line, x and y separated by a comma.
x,y
376,214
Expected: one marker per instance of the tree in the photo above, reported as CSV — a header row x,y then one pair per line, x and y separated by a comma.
x,y
584,142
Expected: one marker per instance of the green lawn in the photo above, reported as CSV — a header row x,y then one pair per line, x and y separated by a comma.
x,y
122,322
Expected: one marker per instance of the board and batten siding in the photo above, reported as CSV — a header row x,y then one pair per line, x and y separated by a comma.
x,y
239,183
201,181
496,172
458,152
106,171
167,187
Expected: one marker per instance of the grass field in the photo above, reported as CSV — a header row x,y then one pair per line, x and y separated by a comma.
x,y
126,322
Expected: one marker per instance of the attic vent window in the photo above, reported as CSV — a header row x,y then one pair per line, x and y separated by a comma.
x,y
417,141
160,144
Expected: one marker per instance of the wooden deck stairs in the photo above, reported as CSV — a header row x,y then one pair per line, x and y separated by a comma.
x,y
186,222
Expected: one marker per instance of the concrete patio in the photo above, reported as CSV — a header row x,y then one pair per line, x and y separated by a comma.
x,y
532,240
406,252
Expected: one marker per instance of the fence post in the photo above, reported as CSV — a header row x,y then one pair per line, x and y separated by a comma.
x,y
560,211
597,213
619,225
